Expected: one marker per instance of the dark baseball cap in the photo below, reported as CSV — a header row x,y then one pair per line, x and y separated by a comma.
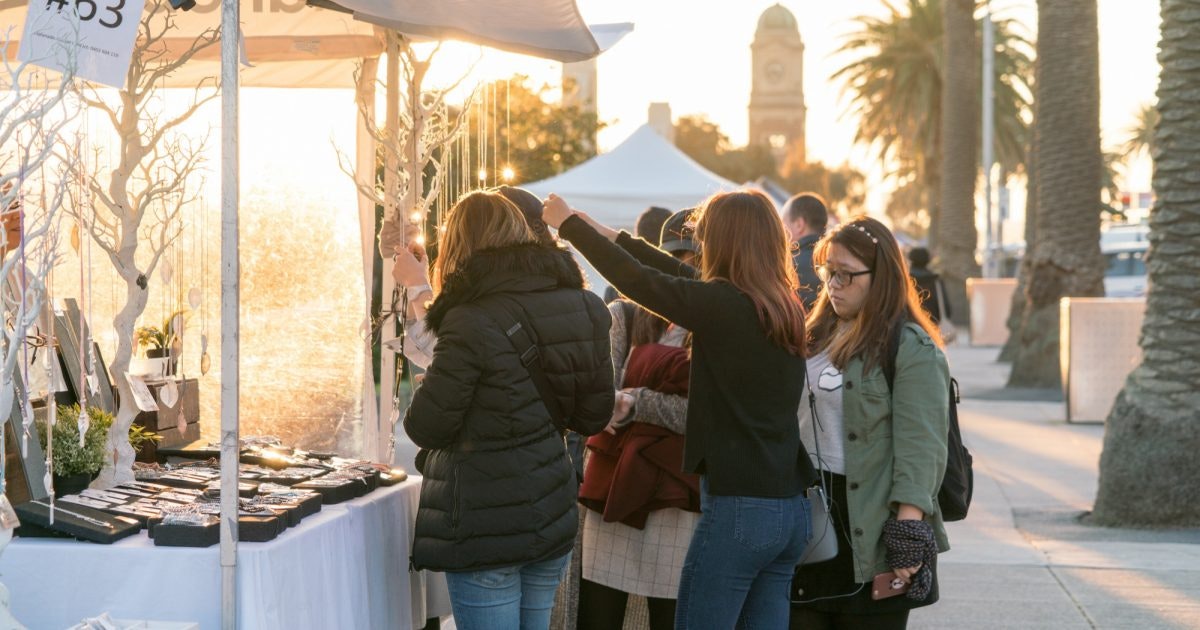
x,y
531,207
678,233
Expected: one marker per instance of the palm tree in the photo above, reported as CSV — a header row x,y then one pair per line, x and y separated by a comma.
x,y
956,235
1065,260
1141,134
1149,467
1016,312
893,82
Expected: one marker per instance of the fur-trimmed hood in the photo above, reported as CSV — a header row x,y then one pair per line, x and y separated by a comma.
x,y
513,269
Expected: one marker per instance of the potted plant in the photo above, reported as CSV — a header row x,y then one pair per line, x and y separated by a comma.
x,y
75,466
158,341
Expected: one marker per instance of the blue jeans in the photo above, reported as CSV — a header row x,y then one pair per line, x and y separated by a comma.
x,y
509,598
739,566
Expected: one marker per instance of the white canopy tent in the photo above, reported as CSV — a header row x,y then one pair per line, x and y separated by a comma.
x,y
644,170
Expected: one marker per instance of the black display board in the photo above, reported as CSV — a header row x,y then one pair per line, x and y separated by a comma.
x,y
68,322
24,474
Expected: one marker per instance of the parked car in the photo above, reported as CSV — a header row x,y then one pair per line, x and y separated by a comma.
x,y
1119,233
1125,270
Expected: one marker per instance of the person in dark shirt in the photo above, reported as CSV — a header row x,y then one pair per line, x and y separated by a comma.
x,y
747,374
929,285
805,216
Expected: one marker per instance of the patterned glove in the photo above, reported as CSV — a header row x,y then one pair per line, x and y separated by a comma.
x,y
910,543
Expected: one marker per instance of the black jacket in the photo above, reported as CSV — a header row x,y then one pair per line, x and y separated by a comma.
x,y
929,285
742,430
802,260
498,488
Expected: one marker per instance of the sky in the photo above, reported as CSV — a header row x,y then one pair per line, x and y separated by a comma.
x,y
695,55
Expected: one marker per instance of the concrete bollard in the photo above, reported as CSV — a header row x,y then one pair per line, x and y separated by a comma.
x,y
1098,349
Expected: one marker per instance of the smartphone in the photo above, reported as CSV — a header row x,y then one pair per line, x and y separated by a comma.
x,y
887,585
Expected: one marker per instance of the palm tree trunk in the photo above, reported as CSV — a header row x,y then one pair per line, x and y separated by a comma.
x,y
1149,468
1066,259
957,237
1016,312
931,182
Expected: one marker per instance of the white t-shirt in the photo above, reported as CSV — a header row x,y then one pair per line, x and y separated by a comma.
x,y
825,381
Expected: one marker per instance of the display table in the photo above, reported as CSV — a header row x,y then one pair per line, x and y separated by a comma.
x,y
344,567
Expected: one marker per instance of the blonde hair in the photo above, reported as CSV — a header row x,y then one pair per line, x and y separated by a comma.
x,y
480,220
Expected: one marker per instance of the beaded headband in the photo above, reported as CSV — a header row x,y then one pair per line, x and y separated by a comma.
x,y
863,230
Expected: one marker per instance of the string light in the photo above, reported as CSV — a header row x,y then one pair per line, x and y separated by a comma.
x,y
415,217
509,173
483,174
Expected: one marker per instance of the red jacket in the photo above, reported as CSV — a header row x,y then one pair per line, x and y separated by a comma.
x,y
639,469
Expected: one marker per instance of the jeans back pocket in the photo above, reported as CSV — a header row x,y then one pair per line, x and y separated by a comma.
x,y
758,522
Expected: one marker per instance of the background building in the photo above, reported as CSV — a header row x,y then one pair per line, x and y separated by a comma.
x,y
777,95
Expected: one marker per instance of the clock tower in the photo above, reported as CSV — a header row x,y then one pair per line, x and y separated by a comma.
x,y
777,95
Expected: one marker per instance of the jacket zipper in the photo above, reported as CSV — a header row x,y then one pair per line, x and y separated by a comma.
x,y
455,513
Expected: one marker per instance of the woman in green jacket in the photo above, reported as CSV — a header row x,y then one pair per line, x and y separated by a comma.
x,y
881,446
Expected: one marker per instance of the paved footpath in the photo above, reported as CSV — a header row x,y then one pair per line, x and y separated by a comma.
x,y
1023,559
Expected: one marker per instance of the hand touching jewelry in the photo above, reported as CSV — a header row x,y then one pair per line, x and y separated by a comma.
x,y
555,210
409,269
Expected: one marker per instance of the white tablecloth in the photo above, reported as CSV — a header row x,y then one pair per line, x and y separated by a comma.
x,y
344,567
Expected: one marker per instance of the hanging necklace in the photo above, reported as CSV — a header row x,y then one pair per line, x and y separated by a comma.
x,y
83,517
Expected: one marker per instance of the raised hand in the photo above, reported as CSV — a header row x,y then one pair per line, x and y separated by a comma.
x,y
555,210
408,270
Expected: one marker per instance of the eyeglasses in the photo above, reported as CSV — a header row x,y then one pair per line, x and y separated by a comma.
x,y
839,277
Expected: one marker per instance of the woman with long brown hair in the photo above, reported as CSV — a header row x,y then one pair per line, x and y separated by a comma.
x,y
498,501
747,373
877,430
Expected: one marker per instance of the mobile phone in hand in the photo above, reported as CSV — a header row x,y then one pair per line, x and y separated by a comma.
x,y
889,584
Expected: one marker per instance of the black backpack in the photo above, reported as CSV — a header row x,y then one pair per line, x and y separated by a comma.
x,y
954,497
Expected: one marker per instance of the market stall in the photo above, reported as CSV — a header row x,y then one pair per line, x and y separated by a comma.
x,y
378,546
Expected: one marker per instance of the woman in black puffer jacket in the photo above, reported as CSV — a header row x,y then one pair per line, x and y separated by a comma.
x,y
498,502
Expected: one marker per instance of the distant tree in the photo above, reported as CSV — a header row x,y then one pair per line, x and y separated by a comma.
x,y
906,209
1110,189
1141,134
535,137
843,187
703,141
893,81
1149,468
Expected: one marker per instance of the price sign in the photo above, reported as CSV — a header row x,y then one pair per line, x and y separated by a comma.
x,y
94,36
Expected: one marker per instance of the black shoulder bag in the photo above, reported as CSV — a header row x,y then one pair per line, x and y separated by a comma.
x,y
954,497
512,320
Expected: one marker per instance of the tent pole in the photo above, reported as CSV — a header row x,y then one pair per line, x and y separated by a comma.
x,y
365,151
391,210
230,300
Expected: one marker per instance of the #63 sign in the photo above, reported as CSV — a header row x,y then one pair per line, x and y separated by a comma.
x,y
95,37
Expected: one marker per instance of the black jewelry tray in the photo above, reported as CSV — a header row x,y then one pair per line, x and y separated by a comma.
x,y
35,522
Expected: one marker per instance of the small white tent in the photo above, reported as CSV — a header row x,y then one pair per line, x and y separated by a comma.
x,y
644,170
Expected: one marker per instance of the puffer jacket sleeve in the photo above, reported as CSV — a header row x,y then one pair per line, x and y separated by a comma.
x,y
436,415
594,393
